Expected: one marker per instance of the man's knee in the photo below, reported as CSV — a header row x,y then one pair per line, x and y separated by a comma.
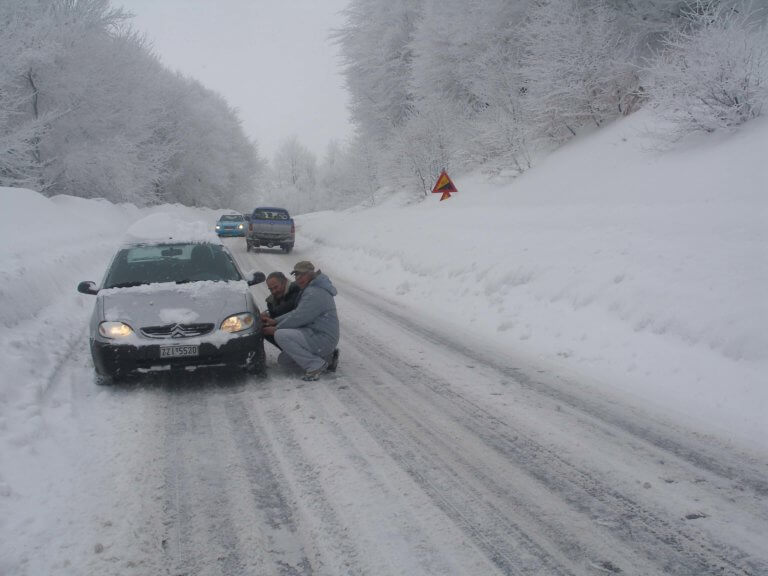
x,y
287,337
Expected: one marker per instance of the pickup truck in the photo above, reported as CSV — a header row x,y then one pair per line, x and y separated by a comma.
x,y
270,227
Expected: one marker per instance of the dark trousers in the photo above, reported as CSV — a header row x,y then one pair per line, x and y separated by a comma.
x,y
271,340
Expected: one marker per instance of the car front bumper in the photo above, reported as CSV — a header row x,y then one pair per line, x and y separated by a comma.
x,y
270,241
230,232
112,360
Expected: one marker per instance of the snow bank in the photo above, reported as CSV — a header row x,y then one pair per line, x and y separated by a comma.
x,y
635,269
168,226
47,246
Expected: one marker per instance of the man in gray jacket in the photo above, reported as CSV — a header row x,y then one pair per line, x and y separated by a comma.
x,y
309,334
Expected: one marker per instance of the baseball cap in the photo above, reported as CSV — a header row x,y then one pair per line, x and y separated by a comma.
x,y
303,267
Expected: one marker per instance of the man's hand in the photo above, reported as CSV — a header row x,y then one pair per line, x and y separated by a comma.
x,y
268,330
266,320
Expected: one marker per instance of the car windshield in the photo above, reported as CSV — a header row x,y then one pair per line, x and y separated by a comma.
x,y
180,263
231,218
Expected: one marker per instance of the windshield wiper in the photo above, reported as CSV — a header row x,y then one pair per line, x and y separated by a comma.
x,y
187,280
129,284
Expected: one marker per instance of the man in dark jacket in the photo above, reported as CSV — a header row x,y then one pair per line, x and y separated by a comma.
x,y
283,297
309,334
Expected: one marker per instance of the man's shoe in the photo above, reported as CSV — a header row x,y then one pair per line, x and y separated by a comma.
x,y
334,361
312,375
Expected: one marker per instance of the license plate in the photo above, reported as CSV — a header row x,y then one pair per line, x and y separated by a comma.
x,y
178,351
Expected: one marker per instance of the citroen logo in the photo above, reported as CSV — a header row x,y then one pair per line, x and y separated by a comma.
x,y
177,332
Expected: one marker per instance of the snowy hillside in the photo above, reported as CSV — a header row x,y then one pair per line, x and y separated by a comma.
x,y
636,269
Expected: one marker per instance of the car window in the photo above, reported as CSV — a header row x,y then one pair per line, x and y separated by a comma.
x,y
270,215
231,218
158,252
180,263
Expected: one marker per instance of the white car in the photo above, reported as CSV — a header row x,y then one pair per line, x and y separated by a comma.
x,y
168,304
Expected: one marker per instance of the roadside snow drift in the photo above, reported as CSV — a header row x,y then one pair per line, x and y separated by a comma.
x,y
633,268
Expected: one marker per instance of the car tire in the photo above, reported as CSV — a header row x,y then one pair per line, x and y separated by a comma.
x,y
106,379
258,367
102,380
247,247
287,248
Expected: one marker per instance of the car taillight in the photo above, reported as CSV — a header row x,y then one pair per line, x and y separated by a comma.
x,y
293,228
250,227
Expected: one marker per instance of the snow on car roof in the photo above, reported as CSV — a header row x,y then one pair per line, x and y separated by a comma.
x,y
165,227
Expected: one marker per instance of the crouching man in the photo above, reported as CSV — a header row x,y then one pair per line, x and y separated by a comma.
x,y
283,297
308,334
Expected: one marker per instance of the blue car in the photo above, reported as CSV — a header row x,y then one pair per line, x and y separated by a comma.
x,y
231,225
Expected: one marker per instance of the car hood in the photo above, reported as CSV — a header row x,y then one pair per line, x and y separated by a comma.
x,y
163,304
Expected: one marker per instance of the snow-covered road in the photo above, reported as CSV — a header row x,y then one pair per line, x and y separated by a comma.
x,y
426,453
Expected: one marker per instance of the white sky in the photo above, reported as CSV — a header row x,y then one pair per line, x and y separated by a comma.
x,y
271,59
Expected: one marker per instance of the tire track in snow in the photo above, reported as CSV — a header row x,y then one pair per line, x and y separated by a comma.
x,y
200,537
330,548
731,465
669,548
490,515
414,536
267,489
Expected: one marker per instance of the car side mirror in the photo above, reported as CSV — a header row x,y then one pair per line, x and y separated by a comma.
x,y
257,278
87,287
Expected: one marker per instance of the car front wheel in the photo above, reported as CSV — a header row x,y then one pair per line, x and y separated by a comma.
x,y
257,364
107,379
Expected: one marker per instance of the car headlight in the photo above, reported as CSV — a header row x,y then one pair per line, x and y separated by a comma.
x,y
114,330
218,225
238,322
240,226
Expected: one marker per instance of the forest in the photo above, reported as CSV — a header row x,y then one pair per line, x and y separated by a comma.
x,y
87,109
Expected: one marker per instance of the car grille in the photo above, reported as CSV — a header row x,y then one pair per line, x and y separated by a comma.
x,y
176,330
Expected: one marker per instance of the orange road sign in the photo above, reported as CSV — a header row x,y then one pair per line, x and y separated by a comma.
x,y
444,186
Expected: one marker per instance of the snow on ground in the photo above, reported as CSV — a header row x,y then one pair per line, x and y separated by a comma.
x,y
47,246
637,270
629,269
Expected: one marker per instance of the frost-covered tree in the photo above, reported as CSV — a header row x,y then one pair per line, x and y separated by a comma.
x,y
577,65
332,174
86,109
362,174
29,41
213,162
295,175
445,53
108,139
425,146
495,83
500,134
713,71
295,165
375,44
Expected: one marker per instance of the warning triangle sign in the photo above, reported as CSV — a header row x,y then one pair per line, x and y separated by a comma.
x,y
444,186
